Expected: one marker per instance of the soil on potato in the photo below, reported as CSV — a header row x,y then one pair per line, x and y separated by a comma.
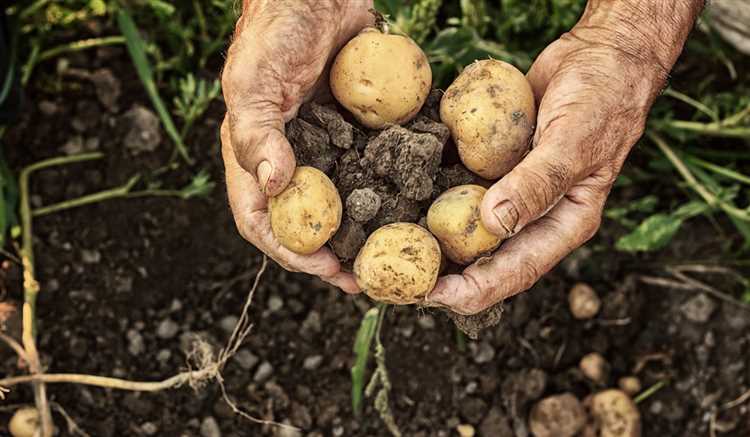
x,y
126,284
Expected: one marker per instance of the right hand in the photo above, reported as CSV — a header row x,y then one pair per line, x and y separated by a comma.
x,y
278,59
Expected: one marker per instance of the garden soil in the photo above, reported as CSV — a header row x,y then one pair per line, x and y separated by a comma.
x,y
126,284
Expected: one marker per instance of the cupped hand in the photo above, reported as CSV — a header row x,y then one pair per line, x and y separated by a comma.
x,y
278,59
593,98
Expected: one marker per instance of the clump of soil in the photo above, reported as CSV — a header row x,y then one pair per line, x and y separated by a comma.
x,y
383,176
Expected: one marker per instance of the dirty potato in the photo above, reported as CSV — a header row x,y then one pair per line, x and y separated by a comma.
x,y
24,423
307,213
381,79
614,414
491,114
398,264
454,219
557,416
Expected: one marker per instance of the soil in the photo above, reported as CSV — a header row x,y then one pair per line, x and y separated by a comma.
x,y
127,283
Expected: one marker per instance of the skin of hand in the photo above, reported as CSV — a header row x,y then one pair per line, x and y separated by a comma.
x,y
594,88
278,59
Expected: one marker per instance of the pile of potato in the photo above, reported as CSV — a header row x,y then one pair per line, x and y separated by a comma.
x,y
383,80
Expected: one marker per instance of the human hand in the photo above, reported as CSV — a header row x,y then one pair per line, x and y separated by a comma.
x,y
278,59
594,87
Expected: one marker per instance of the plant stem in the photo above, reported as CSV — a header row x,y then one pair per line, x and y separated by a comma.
x,y
31,286
79,45
710,129
692,102
112,193
650,391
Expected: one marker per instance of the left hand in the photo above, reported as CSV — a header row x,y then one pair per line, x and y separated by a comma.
x,y
593,97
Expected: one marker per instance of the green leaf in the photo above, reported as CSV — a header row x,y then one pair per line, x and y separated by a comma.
x,y
137,49
658,230
200,186
362,345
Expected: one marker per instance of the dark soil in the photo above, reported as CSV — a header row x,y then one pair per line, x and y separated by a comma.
x,y
126,283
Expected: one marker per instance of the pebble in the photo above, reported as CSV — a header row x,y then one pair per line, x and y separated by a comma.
x,y
167,329
699,308
735,316
483,352
265,370
246,359
275,303
465,430
143,130
313,362
107,87
210,428
149,428
91,144
90,256
495,424
228,323
286,431
136,345
48,108
300,416
311,324
426,321
163,355
73,146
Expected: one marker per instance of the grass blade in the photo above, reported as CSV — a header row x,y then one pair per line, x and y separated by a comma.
x,y
362,344
137,50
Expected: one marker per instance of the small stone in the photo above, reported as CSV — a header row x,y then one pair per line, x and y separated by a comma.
x,y
338,431
123,284
143,130
363,204
407,330
465,430
246,359
699,308
149,428
91,256
91,144
483,353
735,316
275,303
73,146
495,424
136,345
311,324
265,370
426,321
107,87
473,409
300,416
313,362
167,329
210,428
228,323
163,355
48,108
286,431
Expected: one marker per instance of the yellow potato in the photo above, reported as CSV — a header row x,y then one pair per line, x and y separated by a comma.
x,y
381,79
491,114
615,414
24,423
307,213
454,219
398,264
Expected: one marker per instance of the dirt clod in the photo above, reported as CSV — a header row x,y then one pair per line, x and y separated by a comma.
x,y
363,204
557,416
339,130
348,240
311,145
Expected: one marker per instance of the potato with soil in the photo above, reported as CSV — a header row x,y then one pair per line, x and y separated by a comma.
x,y
398,264
307,213
381,79
491,114
614,414
454,219
25,422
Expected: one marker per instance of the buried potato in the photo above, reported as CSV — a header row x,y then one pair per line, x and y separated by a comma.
x,y
381,79
399,264
307,213
491,113
454,219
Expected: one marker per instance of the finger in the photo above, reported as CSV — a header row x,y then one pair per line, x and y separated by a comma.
x,y
541,71
345,281
521,261
249,206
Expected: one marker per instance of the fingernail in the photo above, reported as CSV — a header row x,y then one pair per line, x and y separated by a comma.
x,y
507,215
264,172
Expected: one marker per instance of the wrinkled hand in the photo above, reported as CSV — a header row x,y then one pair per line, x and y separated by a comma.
x,y
278,59
593,98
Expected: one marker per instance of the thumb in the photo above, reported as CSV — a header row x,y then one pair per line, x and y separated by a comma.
x,y
529,191
261,148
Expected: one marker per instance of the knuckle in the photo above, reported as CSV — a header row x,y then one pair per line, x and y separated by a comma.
x,y
528,274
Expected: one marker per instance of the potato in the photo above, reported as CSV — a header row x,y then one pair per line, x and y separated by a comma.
x,y
631,385
583,301
615,414
381,79
557,416
307,213
594,367
398,264
491,113
454,219
24,423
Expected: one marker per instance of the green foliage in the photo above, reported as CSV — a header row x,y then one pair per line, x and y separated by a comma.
x,y
658,230
362,344
194,98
